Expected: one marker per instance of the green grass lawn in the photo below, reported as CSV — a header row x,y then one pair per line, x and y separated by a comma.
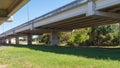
x,y
58,57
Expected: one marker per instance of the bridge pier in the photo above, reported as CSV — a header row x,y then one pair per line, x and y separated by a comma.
x,y
29,39
9,41
17,40
4,41
1,41
54,38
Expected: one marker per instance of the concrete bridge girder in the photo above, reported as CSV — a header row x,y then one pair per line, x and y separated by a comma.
x,y
91,13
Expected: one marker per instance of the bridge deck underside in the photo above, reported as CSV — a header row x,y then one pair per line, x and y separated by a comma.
x,y
81,22
73,23
114,9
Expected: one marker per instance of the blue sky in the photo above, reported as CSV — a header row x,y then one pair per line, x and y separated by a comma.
x,y
36,9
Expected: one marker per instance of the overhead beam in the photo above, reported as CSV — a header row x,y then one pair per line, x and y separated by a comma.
x,y
92,11
108,14
115,9
14,5
17,6
3,13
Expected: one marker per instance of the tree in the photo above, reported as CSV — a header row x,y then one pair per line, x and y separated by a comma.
x,y
104,35
45,38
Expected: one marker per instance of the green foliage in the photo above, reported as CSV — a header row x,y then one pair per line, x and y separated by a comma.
x,y
70,41
44,38
100,35
104,35
78,37
64,36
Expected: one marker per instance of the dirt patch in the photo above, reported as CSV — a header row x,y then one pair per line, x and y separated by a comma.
x,y
3,66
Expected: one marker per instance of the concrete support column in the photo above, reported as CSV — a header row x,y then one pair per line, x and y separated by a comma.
x,y
17,40
0,41
54,38
4,41
29,39
119,34
9,41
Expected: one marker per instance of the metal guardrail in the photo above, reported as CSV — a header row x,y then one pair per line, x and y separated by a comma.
x,y
59,10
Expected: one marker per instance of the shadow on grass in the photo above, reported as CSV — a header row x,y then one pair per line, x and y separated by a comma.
x,y
88,52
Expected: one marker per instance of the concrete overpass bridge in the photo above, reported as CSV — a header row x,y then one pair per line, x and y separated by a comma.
x,y
8,8
78,14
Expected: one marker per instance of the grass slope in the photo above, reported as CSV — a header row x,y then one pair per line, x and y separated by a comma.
x,y
58,57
